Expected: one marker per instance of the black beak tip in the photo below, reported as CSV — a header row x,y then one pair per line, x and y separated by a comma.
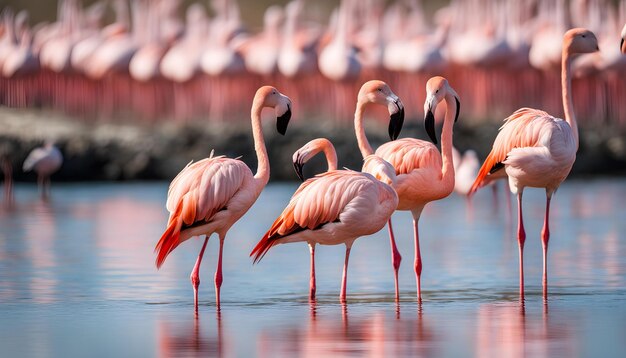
x,y
395,124
621,45
283,121
297,166
429,124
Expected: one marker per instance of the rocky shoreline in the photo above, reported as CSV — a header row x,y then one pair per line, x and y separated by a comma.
x,y
114,151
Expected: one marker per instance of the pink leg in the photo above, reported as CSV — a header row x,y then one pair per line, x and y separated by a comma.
x,y
218,275
545,236
521,238
418,260
344,279
195,274
312,286
395,258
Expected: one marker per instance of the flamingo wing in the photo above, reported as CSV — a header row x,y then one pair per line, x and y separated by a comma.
x,y
524,128
326,198
205,187
34,157
197,193
408,154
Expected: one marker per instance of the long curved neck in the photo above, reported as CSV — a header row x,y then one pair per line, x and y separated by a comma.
x,y
262,175
364,144
331,157
566,88
447,167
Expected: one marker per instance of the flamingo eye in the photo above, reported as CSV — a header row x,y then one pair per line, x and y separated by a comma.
x,y
380,90
584,36
437,91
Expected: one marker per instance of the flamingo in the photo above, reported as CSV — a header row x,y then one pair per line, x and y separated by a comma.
x,y
338,60
538,150
424,174
45,161
209,196
260,52
296,54
622,46
465,170
301,156
333,208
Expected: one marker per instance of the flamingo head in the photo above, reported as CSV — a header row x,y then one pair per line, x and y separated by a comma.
x,y
378,92
380,169
622,44
580,40
269,96
311,149
437,89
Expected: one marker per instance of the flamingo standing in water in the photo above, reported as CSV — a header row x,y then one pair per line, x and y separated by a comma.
x,y
424,174
301,156
334,208
538,150
45,161
211,195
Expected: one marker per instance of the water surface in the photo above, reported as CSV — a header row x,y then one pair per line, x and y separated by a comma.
x,y
77,278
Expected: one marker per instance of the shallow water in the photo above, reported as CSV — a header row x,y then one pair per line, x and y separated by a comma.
x,y
77,278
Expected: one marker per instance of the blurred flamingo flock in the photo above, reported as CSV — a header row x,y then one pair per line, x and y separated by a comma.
x,y
152,64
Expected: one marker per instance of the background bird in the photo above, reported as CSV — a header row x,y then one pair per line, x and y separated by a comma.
x,y
44,161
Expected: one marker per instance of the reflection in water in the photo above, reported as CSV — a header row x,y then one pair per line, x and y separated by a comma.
x,y
186,339
507,330
40,240
375,334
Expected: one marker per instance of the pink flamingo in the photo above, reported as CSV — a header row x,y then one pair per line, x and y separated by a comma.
x,y
211,195
220,56
21,60
301,156
45,161
93,36
117,48
182,61
260,52
144,65
333,208
338,60
424,174
538,150
297,55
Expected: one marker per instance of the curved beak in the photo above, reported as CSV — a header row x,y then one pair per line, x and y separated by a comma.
x,y
283,121
622,47
429,124
429,117
396,118
297,166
